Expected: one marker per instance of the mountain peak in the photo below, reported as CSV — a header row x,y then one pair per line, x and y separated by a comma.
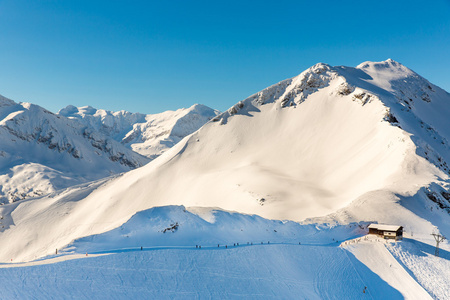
x,y
319,67
68,110
384,67
203,110
387,62
87,110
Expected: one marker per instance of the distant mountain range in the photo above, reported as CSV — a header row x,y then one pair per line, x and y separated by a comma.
x,y
148,135
42,152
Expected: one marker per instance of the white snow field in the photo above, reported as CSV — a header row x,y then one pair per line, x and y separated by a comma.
x,y
244,272
330,148
239,256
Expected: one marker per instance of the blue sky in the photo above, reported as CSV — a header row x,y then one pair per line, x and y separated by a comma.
x,y
151,56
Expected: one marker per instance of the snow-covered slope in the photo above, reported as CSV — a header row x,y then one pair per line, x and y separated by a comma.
x,y
339,142
42,152
149,135
236,255
254,272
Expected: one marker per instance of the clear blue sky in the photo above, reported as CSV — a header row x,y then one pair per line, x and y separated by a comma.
x,y
151,56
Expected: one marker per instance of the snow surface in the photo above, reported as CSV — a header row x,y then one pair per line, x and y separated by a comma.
x,y
238,256
373,253
155,228
430,271
335,146
250,272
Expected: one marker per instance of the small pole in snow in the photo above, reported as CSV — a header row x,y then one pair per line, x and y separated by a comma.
x,y
141,248
56,252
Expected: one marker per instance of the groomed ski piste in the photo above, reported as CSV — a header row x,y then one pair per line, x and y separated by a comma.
x,y
235,255
332,150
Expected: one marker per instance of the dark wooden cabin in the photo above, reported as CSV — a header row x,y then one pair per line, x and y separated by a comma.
x,y
386,231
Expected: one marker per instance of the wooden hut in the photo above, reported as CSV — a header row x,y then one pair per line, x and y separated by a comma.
x,y
386,231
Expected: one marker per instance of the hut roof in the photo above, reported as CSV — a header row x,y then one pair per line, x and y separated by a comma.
x,y
385,227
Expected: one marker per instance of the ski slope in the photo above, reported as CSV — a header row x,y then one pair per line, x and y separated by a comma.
x,y
373,253
235,255
430,271
250,272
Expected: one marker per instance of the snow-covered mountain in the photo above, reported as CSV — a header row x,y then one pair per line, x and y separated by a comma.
x,y
42,152
332,145
149,135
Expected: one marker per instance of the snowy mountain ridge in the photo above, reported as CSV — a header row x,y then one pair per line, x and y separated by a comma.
x,y
404,93
149,135
113,124
42,152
